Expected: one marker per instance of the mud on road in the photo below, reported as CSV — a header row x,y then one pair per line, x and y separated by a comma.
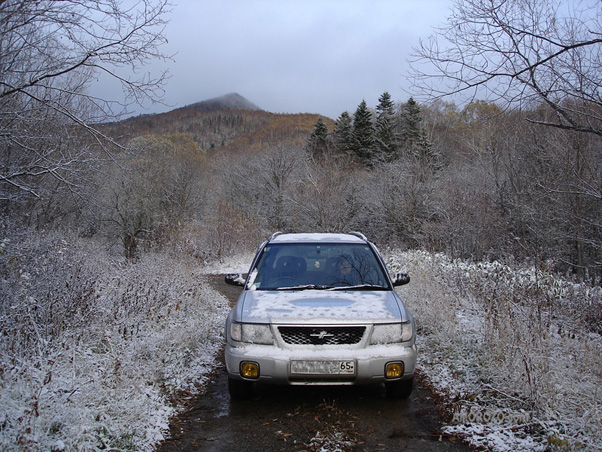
x,y
297,418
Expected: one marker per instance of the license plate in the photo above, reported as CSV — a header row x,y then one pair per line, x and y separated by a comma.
x,y
323,367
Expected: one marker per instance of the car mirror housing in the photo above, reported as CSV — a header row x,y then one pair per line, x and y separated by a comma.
x,y
235,279
401,279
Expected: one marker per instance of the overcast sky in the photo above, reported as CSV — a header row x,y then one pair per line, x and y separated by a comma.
x,y
295,56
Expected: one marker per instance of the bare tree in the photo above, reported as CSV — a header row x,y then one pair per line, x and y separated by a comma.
x,y
50,53
261,185
329,197
521,52
147,197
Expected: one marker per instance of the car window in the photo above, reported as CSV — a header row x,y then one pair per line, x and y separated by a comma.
x,y
323,266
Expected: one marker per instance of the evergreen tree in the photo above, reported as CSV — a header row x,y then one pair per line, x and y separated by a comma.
x,y
343,133
411,123
428,158
318,143
416,142
385,128
363,134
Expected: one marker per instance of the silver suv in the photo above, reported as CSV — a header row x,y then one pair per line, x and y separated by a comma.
x,y
319,309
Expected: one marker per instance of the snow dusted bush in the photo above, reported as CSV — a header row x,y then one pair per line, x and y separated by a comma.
x,y
93,347
517,352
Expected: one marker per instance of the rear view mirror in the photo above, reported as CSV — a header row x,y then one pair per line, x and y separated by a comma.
x,y
235,279
401,279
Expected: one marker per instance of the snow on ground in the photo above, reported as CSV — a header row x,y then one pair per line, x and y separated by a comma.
x,y
95,350
232,264
515,353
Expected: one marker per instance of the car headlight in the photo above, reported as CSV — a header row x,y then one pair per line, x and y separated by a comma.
x,y
252,333
391,333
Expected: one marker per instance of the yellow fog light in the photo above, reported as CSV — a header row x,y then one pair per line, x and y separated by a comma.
x,y
249,370
394,370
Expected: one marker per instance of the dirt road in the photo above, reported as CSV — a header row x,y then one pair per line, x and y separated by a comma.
x,y
306,418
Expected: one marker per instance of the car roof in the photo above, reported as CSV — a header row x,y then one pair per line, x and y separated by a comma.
x,y
353,237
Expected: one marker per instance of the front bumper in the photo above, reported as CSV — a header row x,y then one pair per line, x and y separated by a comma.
x,y
275,368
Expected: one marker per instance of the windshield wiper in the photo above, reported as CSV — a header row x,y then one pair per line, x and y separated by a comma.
x,y
305,287
323,287
359,287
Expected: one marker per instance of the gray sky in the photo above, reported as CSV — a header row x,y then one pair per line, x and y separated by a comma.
x,y
295,56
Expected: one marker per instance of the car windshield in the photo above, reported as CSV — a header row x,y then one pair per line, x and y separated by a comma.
x,y
324,266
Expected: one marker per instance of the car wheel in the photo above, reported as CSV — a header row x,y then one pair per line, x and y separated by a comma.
x,y
399,389
240,389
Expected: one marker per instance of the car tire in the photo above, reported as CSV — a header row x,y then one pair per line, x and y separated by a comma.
x,y
400,389
240,389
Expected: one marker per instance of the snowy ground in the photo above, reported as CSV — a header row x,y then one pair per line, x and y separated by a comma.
x,y
516,354
94,351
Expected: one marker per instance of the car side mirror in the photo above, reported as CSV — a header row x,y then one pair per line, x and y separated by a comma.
x,y
235,279
401,279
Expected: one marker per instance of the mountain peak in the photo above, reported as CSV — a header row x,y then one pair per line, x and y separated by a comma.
x,y
231,101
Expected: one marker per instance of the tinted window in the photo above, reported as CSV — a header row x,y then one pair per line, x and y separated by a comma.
x,y
282,266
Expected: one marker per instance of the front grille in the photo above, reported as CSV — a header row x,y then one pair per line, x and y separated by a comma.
x,y
332,335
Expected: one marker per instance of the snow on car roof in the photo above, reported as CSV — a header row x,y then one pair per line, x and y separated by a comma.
x,y
316,237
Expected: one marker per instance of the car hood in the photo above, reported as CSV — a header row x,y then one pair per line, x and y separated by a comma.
x,y
319,306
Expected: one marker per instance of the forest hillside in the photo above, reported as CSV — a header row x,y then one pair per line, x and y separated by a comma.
x,y
476,181
228,123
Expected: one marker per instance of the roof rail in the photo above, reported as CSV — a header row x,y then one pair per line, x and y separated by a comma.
x,y
359,234
274,235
